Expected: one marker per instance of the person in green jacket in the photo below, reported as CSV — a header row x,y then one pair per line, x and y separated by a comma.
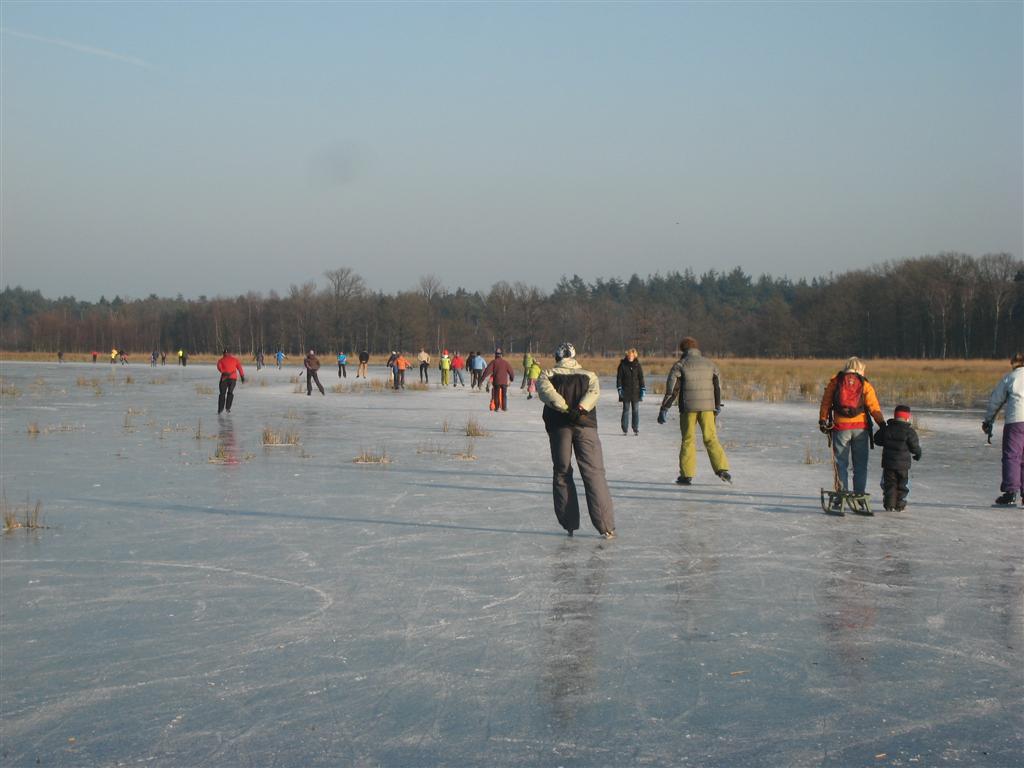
x,y
527,364
533,374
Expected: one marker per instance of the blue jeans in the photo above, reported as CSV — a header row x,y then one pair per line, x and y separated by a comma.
x,y
856,442
630,409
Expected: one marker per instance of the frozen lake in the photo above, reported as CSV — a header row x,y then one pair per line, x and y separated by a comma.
x,y
288,607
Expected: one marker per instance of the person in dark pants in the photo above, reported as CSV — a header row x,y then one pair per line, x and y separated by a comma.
x,y
629,380
312,365
501,370
424,359
231,371
364,358
900,444
570,396
342,365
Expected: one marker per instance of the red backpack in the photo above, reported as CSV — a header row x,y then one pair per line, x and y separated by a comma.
x,y
849,395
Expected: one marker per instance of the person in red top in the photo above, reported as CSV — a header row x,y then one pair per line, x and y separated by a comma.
x,y
457,365
501,372
231,371
848,406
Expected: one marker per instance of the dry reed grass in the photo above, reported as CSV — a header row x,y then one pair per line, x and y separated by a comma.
x,y
33,429
273,439
29,517
468,453
473,428
372,457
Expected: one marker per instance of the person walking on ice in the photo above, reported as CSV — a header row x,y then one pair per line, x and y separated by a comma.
x,y
696,382
1008,396
342,365
231,372
280,356
570,395
848,405
312,364
900,444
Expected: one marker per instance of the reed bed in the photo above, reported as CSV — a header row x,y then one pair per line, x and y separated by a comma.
x,y
474,429
372,457
272,438
922,383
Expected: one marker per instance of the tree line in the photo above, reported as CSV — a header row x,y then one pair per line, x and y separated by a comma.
x,y
945,305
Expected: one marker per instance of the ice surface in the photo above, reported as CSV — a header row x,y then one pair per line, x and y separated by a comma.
x,y
292,608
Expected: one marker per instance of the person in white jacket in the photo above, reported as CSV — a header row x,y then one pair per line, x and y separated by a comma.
x,y
1009,396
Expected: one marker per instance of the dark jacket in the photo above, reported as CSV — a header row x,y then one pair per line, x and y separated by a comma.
x,y
630,379
312,363
899,443
501,369
696,382
568,387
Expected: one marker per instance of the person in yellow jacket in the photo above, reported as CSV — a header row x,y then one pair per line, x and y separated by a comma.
x,y
848,406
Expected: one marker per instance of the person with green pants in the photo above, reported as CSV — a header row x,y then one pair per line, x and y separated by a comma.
x,y
696,382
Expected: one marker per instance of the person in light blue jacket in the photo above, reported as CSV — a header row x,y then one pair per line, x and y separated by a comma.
x,y
342,361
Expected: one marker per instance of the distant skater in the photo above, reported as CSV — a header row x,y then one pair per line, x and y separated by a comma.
x,y
502,374
527,364
163,357
570,395
477,365
1009,394
457,365
259,358
280,356
312,364
342,365
424,359
60,356
95,355
401,364
900,444
231,372
364,358
153,358
445,366
629,380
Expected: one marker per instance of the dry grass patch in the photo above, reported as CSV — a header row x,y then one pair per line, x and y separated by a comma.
x,y
204,389
33,429
468,453
418,386
445,426
275,439
372,457
29,517
8,390
473,429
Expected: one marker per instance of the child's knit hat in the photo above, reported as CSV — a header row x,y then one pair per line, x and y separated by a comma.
x,y
902,412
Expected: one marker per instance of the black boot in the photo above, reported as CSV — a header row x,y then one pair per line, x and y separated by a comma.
x,y
1008,499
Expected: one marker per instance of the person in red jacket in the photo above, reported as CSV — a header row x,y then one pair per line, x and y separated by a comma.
x,y
458,363
501,375
231,371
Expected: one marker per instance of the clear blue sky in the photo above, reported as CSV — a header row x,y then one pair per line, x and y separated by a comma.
x,y
218,148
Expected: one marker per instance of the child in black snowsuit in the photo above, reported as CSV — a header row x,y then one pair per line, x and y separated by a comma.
x,y
899,443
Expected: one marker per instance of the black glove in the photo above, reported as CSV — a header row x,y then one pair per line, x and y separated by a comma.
x,y
986,427
917,458
643,391
620,394
242,378
824,426
662,416
718,408
573,415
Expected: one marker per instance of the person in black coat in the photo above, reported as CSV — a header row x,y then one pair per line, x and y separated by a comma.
x,y
629,380
900,444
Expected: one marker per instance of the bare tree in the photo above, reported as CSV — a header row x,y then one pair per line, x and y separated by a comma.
x,y
997,272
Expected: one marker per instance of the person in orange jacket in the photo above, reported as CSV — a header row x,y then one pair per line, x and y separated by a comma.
x,y
401,364
847,408
231,371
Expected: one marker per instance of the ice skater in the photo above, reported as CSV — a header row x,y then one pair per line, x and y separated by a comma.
x,y
848,405
364,358
501,374
570,395
312,364
900,444
342,365
231,372
695,380
1009,394
424,359
629,380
